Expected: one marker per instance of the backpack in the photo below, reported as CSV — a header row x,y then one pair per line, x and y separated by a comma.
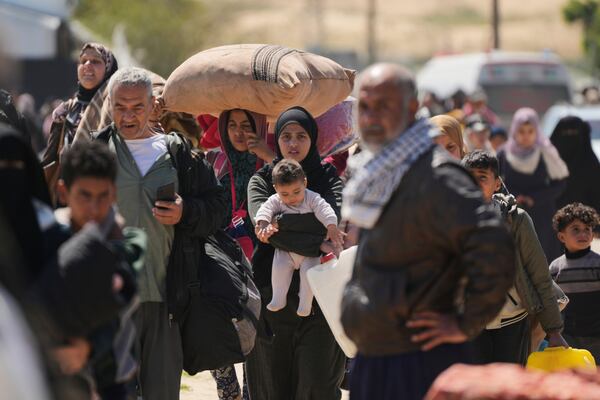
x,y
221,323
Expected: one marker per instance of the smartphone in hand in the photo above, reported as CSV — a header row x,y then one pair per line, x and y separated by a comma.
x,y
166,192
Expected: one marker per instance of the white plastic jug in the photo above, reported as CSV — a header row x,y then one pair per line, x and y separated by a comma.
x,y
327,282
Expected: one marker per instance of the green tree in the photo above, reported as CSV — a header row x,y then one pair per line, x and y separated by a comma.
x,y
161,33
587,13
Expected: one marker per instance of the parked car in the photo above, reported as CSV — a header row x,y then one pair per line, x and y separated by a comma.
x,y
589,113
511,80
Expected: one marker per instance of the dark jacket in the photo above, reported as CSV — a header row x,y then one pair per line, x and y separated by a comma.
x,y
52,153
533,282
203,213
436,247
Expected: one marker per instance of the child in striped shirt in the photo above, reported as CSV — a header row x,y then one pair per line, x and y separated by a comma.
x,y
578,274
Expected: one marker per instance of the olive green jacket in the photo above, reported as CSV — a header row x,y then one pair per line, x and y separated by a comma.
x,y
533,282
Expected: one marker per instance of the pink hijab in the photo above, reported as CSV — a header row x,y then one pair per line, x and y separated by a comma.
x,y
523,116
525,160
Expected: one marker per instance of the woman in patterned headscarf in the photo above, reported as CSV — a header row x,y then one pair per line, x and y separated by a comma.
x,y
243,150
81,114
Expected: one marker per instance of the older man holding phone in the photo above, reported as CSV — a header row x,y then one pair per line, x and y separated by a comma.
x,y
171,193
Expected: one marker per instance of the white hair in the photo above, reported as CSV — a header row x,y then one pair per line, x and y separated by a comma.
x,y
130,76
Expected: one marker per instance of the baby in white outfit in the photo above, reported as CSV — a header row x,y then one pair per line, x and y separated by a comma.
x,y
293,197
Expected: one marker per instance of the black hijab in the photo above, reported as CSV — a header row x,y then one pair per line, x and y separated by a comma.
x,y
571,137
22,180
322,179
312,162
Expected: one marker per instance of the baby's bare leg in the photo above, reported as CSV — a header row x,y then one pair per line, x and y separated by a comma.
x,y
281,277
306,294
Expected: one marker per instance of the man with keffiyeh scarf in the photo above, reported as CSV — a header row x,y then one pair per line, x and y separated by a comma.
x,y
434,262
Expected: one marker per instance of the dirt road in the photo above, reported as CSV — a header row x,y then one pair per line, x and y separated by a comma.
x,y
202,386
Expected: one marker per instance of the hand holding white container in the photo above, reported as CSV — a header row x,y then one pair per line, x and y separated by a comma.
x,y
327,282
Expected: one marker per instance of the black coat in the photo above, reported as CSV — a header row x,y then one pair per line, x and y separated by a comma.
x,y
204,210
436,247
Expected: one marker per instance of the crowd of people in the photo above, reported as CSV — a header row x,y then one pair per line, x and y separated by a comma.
x,y
474,242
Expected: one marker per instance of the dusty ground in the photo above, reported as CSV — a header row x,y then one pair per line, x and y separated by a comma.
x,y
202,386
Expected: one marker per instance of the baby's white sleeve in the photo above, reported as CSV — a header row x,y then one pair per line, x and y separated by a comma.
x,y
268,209
323,211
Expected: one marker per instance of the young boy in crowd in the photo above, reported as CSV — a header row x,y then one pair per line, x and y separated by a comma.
x,y
507,338
88,189
578,274
293,197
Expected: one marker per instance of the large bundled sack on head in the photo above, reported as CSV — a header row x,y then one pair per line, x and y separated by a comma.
x,y
512,382
265,79
221,323
175,121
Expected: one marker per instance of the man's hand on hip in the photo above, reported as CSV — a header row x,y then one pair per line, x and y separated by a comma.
x,y
168,212
437,329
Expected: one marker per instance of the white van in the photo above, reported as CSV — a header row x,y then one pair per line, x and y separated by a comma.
x,y
511,80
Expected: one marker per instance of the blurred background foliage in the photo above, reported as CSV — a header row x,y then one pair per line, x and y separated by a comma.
x,y
161,34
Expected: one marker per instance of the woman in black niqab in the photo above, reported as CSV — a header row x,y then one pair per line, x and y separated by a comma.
x,y
22,183
571,137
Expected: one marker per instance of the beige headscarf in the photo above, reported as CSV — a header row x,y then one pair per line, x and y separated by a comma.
x,y
450,127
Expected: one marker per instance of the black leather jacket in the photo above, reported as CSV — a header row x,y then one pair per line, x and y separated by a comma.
x,y
437,247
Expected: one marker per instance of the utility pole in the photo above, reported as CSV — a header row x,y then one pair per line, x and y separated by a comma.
x,y
496,24
316,14
320,20
371,15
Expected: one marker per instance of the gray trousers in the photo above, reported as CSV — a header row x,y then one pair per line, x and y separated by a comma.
x,y
158,347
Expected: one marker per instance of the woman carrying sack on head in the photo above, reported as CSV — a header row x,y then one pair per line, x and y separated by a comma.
x,y
242,152
303,361
80,115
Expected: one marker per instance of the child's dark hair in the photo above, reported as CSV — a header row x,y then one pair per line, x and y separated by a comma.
x,y
481,159
88,160
575,211
287,171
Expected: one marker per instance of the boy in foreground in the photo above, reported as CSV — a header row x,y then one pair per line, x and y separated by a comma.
x,y
88,189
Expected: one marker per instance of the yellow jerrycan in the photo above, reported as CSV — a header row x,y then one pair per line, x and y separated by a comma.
x,y
559,358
